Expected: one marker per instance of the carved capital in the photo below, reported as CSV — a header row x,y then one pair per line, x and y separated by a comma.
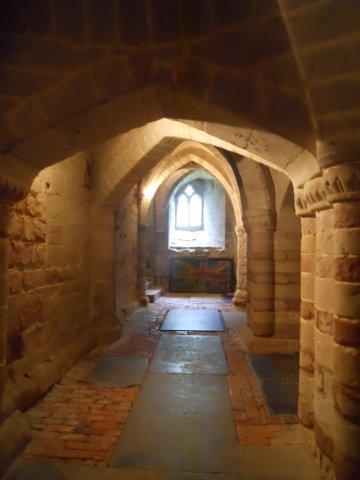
x,y
339,183
342,182
311,198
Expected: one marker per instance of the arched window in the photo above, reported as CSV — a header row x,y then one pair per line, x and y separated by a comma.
x,y
189,209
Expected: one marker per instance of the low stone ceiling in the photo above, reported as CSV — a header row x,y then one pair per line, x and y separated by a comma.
x,y
290,67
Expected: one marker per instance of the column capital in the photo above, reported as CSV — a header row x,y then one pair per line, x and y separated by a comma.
x,y
338,183
311,198
342,182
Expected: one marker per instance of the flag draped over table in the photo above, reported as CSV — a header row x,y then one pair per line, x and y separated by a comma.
x,y
211,275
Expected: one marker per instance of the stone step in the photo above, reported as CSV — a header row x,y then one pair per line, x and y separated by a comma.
x,y
153,294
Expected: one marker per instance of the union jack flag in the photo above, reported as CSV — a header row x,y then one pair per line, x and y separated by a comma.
x,y
211,275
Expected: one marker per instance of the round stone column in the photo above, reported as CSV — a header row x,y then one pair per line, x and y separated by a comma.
x,y
240,296
306,378
343,187
260,252
335,200
325,292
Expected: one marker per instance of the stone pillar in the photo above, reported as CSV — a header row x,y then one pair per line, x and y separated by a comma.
x,y
260,252
142,230
335,200
325,292
240,295
317,293
343,191
102,275
306,380
346,386
161,263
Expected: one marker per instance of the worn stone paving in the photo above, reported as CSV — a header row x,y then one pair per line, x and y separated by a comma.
x,y
77,420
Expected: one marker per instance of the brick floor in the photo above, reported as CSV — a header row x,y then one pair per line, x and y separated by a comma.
x,y
77,420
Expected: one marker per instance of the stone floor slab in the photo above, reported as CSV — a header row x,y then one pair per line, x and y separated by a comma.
x,y
29,469
115,371
180,423
193,320
210,476
83,472
234,320
196,354
290,462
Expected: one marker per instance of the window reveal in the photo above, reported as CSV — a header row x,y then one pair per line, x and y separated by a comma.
x,y
189,209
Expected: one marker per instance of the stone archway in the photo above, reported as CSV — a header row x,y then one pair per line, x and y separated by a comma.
x,y
206,157
159,208
75,87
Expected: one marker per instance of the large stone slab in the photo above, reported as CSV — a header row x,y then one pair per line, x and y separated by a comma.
x,y
234,320
189,354
180,423
287,462
208,476
193,320
31,469
119,371
45,469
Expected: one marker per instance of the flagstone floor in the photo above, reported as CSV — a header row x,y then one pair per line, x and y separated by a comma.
x,y
79,421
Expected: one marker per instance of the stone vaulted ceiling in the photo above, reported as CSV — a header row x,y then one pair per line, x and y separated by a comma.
x,y
288,66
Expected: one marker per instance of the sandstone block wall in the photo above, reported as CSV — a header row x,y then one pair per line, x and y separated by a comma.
x,y
126,253
287,237
48,281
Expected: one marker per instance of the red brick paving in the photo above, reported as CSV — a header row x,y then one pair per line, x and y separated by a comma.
x,y
254,423
80,421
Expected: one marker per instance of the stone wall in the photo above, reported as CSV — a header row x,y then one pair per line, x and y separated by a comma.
x,y
287,238
48,281
126,253
160,254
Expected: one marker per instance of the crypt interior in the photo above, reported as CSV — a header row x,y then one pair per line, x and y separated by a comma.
x,y
179,239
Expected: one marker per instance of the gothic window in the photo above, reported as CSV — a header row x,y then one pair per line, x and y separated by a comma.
x,y
189,209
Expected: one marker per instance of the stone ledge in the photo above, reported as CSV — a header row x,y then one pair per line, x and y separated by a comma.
x,y
154,294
